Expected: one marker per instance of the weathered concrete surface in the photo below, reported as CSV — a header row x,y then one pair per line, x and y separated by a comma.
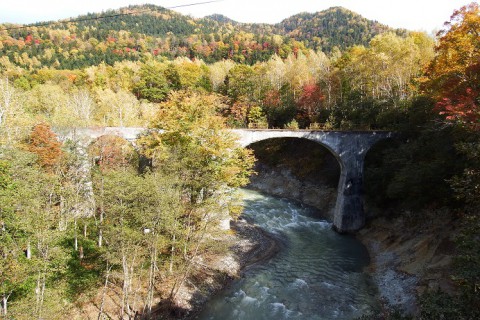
x,y
349,148
87,135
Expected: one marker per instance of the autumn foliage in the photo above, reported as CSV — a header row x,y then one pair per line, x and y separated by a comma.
x,y
44,143
462,108
112,152
455,71
310,103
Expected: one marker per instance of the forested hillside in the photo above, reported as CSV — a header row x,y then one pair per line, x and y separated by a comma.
x,y
136,32
333,28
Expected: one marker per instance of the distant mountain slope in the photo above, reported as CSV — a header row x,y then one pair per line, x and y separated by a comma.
x,y
132,32
220,18
149,20
336,26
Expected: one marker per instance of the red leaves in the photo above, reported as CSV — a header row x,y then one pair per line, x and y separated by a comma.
x,y
111,152
460,97
309,103
463,108
311,99
28,39
44,143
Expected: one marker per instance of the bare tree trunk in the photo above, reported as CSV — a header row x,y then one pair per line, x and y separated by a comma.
x,y
75,234
42,297
135,295
41,280
126,287
40,294
62,223
104,292
102,213
5,304
29,251
172,255
100,237
151,279
131,273
37,293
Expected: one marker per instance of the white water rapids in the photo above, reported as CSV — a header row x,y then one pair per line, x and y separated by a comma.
x,y
316,275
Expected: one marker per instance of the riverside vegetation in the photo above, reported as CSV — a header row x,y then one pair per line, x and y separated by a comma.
x,y
140,225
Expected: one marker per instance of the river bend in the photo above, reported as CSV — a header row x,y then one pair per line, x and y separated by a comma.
x,y
318,274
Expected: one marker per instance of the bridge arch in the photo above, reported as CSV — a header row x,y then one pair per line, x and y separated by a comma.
x,y
311,176
350,149
246,142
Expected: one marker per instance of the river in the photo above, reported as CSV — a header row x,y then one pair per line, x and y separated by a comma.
x,y
316,275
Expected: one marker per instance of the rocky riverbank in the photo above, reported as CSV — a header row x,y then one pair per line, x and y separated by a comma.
x,y
408,258
248,245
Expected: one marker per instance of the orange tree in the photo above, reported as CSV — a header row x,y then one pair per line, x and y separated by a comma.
x,y
44,143
454,73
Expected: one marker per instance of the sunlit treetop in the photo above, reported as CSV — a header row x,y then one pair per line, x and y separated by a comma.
x,y
454,73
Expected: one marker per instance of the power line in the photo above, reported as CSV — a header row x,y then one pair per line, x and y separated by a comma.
x,y
107,16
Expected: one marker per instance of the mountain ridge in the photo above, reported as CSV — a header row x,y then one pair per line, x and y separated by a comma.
x,y
130,33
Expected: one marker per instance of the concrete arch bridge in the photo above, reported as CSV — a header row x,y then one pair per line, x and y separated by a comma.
x,y
348,147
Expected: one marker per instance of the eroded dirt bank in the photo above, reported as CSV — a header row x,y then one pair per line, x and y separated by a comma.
x,y
407,258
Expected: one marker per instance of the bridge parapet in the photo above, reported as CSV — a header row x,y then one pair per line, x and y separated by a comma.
x,y
339,142
91,133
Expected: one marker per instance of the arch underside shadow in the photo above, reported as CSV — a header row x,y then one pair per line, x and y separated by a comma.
x,y
349,148
297,169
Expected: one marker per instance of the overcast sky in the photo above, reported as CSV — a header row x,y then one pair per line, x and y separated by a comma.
x,y
425,15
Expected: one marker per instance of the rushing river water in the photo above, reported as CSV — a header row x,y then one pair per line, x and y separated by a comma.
x,y
316,275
